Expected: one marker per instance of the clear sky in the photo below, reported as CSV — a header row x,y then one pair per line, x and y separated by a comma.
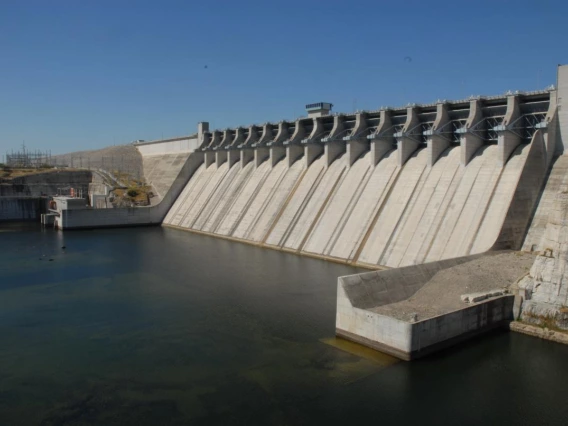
x,y
85,74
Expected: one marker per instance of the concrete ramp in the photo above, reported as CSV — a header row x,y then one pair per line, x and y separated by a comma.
x,y
160,171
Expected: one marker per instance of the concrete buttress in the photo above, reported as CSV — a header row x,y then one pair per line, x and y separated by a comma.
x,y
311,152
233,156
469,141
209,158
293,153
408,140
276,154
383,139
220,157
247,154
214,140
438,142
261,154
507,139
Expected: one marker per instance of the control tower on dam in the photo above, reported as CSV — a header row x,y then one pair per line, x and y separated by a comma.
x,y
385,188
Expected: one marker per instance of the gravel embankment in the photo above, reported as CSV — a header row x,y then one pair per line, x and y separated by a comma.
x,y
442,293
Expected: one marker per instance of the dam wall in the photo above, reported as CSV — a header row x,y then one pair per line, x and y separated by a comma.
x,y
161,170
385,189
361,214
22,208
162,160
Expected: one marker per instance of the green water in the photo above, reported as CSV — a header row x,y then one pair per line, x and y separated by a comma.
x,y
155,326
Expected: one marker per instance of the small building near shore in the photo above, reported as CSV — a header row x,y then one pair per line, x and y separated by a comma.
x,y
68,203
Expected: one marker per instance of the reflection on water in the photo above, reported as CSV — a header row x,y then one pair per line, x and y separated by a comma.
x,y
157,326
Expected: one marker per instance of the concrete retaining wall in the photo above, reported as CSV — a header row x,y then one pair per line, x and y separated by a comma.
x,y
445,330
358,294
154,215
161,170
22,208
169,146
44,184
409,341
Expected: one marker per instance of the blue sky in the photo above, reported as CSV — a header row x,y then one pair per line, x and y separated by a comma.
x,y
85,74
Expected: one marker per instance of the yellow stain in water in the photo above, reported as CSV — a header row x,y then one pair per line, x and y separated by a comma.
x,y
360,351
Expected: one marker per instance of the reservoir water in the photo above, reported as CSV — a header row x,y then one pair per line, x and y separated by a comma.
x,y
155,326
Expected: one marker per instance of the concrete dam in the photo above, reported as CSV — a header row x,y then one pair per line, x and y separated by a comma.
x,y
386,188
420,194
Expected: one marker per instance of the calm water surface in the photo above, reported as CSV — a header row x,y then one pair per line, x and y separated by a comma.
x,y
162,327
